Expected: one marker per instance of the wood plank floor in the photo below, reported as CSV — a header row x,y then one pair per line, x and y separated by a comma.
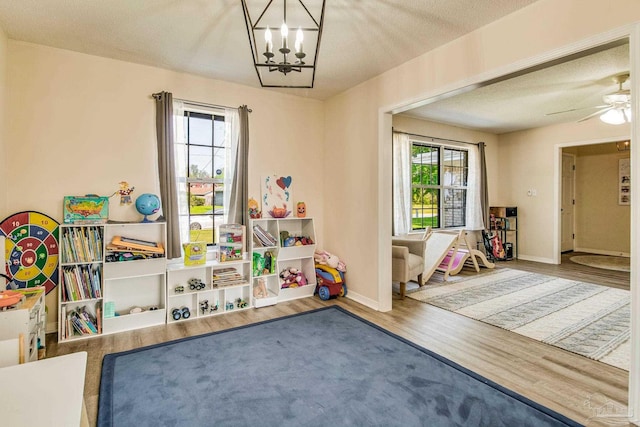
x,y
565,382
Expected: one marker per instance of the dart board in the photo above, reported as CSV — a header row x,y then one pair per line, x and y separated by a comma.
x,y
31,249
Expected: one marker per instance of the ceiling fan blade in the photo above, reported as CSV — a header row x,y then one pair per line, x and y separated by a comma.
x,y
596,113
576,109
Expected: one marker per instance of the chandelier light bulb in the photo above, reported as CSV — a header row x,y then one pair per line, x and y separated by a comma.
x,y
268,39
299,40
284,31
613,117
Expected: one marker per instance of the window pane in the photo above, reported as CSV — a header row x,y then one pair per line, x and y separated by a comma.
x,y
454,207
218,132
200,129
424,164
424,208
219,159
200,162
201,198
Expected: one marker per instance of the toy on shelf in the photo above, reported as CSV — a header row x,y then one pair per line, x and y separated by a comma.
x,y
178,289
254,209
196,284
286,240
195,253
180,313
229,305
147,204
330,271
240,303
292,278
260,289
301,210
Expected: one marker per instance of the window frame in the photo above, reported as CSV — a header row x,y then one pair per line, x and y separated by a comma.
x,y
441,187
216,218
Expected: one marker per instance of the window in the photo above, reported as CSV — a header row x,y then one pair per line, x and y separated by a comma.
x,y
438,186
200,162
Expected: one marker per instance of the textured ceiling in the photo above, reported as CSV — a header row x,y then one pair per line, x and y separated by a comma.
x,y
523,102
361,38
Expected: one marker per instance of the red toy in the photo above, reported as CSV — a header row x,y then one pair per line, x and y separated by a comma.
x,y
330,282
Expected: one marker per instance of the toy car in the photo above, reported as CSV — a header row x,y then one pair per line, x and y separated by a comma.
x,y
330,282
196,284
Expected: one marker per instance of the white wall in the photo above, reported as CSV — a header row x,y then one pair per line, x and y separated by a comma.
x,y
80,124
527,161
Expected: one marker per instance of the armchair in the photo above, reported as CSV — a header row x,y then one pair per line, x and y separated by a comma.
x,y
407,260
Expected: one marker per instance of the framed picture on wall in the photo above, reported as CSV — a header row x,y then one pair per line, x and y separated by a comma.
x,y
624,181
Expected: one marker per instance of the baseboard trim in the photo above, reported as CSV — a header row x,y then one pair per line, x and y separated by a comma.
x,y
536,259
603,252
372,304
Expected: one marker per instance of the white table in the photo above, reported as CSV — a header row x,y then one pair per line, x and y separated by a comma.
x,y
48,392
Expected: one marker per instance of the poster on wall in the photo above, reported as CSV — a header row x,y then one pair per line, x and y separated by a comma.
x,y
624,181
276,196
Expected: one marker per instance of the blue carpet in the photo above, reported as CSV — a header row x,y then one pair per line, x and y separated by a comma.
x,y
326,367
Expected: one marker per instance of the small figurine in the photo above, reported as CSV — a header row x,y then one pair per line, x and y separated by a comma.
x,y
254,211
125,193
301,210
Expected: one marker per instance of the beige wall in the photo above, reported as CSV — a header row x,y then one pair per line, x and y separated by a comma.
x,y
3,90
357,137
527,161
601,224
80,124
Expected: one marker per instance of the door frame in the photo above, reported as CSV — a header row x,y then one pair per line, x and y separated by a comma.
x,y
573,206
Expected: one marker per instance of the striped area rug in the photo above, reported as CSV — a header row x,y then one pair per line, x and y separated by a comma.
x,y
591,320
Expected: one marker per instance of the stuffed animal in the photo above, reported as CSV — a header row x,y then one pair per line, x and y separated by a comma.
x,y
323,257
292,278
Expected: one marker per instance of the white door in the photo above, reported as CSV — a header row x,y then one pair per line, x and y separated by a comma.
x,y
568,200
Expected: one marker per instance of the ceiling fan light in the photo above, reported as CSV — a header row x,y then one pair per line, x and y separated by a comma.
x,y
613,117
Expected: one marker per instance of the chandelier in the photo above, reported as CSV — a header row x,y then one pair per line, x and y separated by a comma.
x,y
272,28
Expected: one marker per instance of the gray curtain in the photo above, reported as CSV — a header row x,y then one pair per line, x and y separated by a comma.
x,y
238,209
484,189
167,171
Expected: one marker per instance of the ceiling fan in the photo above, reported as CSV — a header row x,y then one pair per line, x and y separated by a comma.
x,y
617,105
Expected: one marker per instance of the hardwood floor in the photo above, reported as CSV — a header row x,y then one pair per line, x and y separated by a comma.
x,y
565,382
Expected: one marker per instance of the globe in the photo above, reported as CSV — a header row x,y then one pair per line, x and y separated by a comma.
x,y
147,204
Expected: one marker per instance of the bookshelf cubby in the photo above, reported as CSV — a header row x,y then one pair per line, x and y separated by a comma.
x,y
208,289
266,237
102,292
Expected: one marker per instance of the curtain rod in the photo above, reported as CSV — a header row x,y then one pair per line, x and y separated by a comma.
x,y
435,137
201,104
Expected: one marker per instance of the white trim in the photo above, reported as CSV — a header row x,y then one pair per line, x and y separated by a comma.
x,y
372,304
536,259
603,252
634,371
631,31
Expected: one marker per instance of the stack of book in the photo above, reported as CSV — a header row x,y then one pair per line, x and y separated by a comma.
x,y
263,237
82,244
227,277
81,282
80,321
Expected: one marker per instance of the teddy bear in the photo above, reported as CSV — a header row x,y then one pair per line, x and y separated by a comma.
x,y
323,257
